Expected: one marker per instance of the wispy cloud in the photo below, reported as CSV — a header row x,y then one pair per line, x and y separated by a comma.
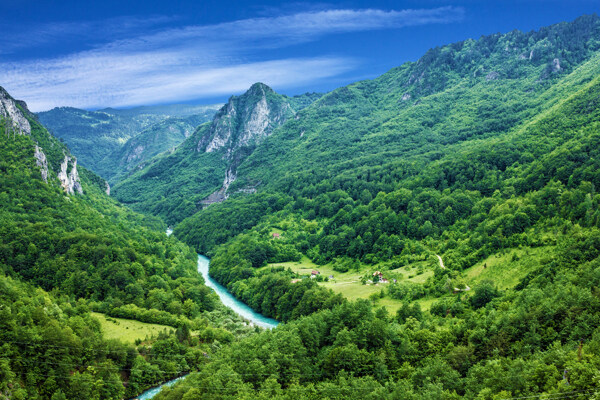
x,y
191,62
14,37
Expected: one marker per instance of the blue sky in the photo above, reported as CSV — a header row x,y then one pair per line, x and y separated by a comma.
x,y
93,54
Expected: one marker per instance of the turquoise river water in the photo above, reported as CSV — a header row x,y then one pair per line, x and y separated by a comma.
x,y
226,298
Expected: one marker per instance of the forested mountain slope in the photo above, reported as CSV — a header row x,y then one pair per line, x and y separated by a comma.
x,y
158,138
177,185
112,142
374,135
457,192
61,233
484,153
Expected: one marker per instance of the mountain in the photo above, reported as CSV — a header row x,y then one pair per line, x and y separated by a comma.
x,y
59,163
156,139
433,233
101,138
67,249
451,206
200,171
369,136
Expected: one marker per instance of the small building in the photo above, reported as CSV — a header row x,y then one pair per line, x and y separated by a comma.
x,y
315,272
276,235
330,276
379,274
296,280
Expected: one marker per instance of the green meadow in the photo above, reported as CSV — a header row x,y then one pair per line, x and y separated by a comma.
x,y
129,330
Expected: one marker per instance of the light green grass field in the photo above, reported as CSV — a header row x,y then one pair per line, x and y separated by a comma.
x,y
418,272
349,284
128,330
505,270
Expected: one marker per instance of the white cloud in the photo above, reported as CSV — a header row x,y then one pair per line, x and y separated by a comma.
x,y
136,83
197,61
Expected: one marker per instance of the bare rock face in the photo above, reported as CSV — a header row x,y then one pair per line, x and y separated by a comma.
x,y
107,189
222,129
15,114
221,194
135,154
245,120
256,127
68,177
556,65
42,162
239,126
10,112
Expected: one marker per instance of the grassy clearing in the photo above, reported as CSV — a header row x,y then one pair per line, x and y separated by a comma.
x,y
303,264
506,270
354,290
128,330
349,284
418,272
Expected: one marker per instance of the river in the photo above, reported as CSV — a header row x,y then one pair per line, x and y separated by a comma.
x,y
150,393
226,298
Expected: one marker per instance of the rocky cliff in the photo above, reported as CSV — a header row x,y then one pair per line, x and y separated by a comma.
x,y
199,171
9,111
17,119
68,175
246,120
241,125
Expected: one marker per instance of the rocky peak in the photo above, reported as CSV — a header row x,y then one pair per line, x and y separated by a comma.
x,y
9,111
16,118
245,120
239,126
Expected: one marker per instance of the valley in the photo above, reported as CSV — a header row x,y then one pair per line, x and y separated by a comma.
x,y
431,233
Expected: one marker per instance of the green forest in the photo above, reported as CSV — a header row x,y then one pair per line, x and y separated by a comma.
x,y
433,233
472,167
64,256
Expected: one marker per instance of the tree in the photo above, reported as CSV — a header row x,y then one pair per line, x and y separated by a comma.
x,y
484,293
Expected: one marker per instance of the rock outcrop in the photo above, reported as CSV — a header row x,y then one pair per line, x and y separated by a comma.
x,y
246,120
42,162
556,65
68,176
16,119
241,125
9,111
